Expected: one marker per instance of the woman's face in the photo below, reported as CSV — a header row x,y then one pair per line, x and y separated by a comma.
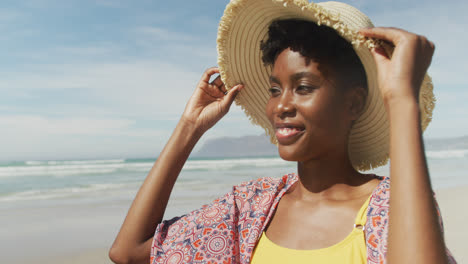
x,y
311,116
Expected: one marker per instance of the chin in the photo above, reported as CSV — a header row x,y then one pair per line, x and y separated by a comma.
x,y
289,153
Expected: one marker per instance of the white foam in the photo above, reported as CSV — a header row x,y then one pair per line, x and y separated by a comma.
x,y
72,169
67,168
34,163
109,166
227,164
447,154
64,192
59,162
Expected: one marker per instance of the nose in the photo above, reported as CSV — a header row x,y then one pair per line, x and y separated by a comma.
x,y
285,106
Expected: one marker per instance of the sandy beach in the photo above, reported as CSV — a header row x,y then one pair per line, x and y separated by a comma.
x,y
60,234
451,202
83,233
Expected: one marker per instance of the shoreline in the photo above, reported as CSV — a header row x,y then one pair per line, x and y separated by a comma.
x,y
84,233
90,256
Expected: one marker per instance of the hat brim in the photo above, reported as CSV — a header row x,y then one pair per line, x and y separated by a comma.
x,y
245,24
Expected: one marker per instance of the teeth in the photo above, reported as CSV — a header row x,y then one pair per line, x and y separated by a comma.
x,y
287,131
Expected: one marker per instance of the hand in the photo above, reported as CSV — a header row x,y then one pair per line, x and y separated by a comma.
x,y
401,74
210,101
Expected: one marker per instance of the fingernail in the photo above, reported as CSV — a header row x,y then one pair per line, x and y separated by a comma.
x,y
366,28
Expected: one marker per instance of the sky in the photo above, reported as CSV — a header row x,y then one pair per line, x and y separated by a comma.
x,y
85,79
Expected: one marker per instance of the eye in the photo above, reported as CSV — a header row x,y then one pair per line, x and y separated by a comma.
x,y
305,89
274,91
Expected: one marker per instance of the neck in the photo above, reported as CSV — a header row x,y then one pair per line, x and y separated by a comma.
x,y
333,178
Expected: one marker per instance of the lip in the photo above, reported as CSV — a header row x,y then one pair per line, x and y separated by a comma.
x,y
288,133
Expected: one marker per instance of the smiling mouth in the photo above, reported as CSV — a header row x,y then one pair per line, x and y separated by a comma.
x,y
288,131
288,134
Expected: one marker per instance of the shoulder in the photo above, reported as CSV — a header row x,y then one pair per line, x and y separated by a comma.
x,y
376,230
260,189
383,188
252,197
243,208
266,184
250,192
379,202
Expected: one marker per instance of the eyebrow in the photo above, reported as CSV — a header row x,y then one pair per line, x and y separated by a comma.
x,y
273,79
298,76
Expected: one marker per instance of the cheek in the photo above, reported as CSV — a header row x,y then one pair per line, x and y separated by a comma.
x,y
325,114
338,118
269,109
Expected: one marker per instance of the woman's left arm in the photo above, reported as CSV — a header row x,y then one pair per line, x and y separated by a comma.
x,y
415,235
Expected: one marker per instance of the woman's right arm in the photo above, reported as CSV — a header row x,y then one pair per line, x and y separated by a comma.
x,y
207,106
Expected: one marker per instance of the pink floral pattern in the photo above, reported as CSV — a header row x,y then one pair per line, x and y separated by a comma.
x,y
227,230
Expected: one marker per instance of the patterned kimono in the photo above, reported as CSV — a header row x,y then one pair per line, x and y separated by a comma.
x,y
227,230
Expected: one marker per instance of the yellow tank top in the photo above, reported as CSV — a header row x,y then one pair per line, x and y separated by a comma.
x,y
350,250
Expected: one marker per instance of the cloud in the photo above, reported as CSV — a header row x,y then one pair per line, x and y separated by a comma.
x,y
445,26
111,3
71,92
99,98
77,93
63,126
39,137
98,49
138,87
8,15
160,34
187,49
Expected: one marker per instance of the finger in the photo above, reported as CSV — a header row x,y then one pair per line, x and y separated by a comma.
x,y
392,35
219,83
231,95
207,74
432,45
212,92
380,57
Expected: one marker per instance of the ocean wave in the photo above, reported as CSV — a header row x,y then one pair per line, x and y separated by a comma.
x,y
72,162
110,166
69,168
125,176
447,154
228,164
72,169
60,193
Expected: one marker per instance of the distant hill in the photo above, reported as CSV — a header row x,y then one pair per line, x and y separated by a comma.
x,y
446,143
231,147
251,146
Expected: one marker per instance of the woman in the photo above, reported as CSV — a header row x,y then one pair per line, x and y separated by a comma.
x,y
321,92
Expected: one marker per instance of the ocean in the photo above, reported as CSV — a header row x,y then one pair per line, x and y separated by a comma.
x,y
27,184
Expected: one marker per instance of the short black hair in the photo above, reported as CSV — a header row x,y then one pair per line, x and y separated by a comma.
x,y
320,44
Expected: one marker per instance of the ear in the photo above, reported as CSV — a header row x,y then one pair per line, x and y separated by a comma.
x,y
357,101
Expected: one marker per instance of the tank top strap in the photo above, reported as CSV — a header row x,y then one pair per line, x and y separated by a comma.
x,y
361,217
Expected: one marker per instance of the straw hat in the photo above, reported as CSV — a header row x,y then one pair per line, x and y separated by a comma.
x,y
245,24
